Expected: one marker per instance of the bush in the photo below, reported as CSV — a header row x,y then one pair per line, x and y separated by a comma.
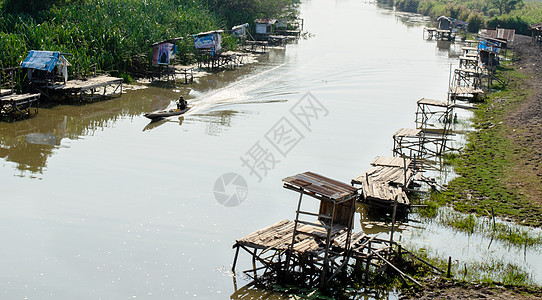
x,y
407,5
509,22
476,22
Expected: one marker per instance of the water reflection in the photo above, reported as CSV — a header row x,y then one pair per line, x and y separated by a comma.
x,y
29,143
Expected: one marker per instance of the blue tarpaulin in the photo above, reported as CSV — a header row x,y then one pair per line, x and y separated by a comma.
x,y
41,60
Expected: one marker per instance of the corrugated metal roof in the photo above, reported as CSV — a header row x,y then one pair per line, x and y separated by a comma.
x,y
320,185
500,33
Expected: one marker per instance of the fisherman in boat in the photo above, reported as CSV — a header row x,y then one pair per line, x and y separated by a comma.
x,y
181,105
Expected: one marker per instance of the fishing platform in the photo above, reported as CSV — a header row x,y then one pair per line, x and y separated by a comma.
x,y
18,105
164,63
91,89
13,105
385,183
47,73
316,246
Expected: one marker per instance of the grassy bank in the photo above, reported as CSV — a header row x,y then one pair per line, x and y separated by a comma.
x,y
485,165
511,14
117,34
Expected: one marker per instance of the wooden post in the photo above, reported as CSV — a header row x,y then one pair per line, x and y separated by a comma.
x,y
368,264
235,258
448,274
393,220
405,171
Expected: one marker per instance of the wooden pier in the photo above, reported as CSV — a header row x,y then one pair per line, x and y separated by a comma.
x,y
15,106
91,89
316,247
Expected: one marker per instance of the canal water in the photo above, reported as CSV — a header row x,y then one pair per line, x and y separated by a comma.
x,y
99,203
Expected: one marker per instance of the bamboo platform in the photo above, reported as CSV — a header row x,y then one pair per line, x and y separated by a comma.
x,y
384,183
18,105
94,88
386,161
439,34
270,247
256,46
177,74
465,92
468,77
220,60
316,245
419,142
312,253
468,61
431,32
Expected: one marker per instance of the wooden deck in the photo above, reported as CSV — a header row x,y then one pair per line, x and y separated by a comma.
x,y
279,237
386,161
100,87
465,92
382,185
18,105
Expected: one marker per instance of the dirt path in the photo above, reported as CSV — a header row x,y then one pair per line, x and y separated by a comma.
x,y
526,121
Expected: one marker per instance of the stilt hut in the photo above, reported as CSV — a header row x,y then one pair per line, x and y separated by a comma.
x,y
264,28
163,62
208,42
240,31
46,67
314,247
47,73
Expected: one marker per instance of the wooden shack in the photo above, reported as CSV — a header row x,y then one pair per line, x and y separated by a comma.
x,y
47,73
209,42
46,67
163,52
240,31
264,27
164,67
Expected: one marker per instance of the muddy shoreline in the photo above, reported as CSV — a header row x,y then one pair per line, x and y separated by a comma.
x,y
523,130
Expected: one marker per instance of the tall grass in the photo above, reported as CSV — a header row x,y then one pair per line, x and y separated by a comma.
x,y
106,34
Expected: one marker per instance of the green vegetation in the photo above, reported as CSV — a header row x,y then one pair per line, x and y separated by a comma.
x,y
484,181
117,34
512,14
489,271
